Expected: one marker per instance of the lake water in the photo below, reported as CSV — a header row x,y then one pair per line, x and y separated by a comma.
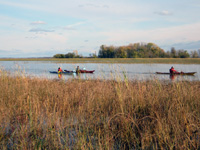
x,y
102,71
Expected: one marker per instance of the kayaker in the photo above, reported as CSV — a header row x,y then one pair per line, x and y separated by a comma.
x,y
60,70
172,70
77,69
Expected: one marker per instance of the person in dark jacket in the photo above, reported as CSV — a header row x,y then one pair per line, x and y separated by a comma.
x,y
172,70
77,69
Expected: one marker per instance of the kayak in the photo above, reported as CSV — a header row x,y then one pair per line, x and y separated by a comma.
x,y
178,73
87,71
81,71
70,72
64,72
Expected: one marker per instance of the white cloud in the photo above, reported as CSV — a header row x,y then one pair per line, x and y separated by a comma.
x,y
40,30
28,42
73,26
94,5
164,13
38,23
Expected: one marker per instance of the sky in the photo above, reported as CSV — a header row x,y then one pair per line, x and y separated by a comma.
x,y
43,28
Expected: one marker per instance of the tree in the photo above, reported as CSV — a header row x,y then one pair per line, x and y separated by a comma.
x,y
121,53
110,52
199,52
183,54
194,54
131,53
173,53
167,54
102,51
70,55
59,56
100,54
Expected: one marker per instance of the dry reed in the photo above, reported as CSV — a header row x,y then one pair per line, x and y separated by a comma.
x,y
96,114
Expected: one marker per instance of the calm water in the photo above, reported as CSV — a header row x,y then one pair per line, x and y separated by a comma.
x,y
102,71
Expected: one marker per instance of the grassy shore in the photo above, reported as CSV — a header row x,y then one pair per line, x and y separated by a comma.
x,y
96,114
113,60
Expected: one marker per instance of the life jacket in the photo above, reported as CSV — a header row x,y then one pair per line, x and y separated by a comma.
x,y
59,70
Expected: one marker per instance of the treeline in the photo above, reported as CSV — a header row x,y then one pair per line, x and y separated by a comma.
x,y
136,50
68,55
143,50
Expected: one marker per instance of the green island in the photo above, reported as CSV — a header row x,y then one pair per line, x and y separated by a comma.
x,y
112,60
98,114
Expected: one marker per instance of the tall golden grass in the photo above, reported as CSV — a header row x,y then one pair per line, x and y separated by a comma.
x,y
98,114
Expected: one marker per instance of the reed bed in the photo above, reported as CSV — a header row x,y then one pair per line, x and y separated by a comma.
x,y
98,114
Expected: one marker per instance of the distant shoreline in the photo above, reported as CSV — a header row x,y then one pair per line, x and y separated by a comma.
x,y
112,60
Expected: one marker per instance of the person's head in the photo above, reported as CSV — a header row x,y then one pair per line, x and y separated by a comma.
x,y
172,67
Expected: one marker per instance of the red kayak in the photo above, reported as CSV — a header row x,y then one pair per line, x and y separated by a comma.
x,y
177,73
86,71
80,71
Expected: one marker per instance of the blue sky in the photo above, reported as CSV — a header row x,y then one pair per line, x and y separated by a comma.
x,y
37,28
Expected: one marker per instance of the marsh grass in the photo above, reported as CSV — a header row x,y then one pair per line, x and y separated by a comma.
x,y
112,60
98,114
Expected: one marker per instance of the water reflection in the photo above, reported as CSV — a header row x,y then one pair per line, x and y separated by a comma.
x,y
59,75
172,77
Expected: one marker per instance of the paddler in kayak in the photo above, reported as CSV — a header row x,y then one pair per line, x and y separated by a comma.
x,y
77,69
172,70
60,70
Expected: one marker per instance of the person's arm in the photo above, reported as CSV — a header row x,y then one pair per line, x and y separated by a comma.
x,y
175,71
